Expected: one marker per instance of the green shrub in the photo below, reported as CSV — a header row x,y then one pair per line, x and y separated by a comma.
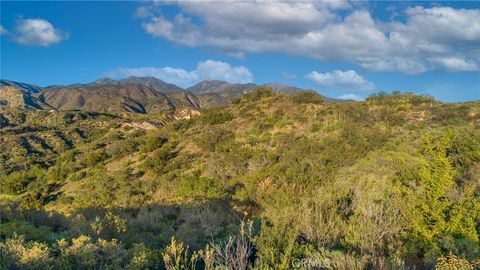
x,y
215,117
202,187
94,158
259,93
306,97
17,182
213,137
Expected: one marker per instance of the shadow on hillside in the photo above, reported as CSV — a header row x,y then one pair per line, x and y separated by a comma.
x,y
153,225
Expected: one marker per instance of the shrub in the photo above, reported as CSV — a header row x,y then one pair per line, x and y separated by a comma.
x,y
176,257
259,93
93,158
275,245
452,262
17,182
154,142
211,138
215,117
306,97
202,187
15,254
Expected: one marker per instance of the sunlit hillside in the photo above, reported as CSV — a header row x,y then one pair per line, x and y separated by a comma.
x,y
389,183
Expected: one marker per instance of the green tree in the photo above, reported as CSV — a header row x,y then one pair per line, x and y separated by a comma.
x,y
442,224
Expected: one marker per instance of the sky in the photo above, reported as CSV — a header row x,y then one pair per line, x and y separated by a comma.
x,y
343,49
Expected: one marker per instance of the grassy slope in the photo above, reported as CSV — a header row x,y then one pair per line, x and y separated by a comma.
x,y
271,157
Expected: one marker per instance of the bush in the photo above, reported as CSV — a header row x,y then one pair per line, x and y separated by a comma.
x,y
154,142
306,97
259,93
93,158
213,137
451,262
17,182
202,187
16,254
215,117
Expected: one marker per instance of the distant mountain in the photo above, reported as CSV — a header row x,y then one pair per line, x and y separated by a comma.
x,y
104,81
15,98
184,98
284,88
24,87
288,89
213,93
152,82
221,87
109,98
207,86
133,94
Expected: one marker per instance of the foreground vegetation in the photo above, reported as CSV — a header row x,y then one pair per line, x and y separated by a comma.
x,y
389,183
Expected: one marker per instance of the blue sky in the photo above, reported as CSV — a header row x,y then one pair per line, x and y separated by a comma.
x,y
338,48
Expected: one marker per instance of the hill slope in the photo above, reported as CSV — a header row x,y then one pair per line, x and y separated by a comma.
x,y
15,98
132,95
382,183
108,98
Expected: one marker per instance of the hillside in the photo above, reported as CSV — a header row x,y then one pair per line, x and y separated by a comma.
x,y
14,98
389,183
108,98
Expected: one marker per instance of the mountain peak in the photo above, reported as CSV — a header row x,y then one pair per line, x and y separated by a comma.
x,y
213,81
104,80
283,87
148,81
208,86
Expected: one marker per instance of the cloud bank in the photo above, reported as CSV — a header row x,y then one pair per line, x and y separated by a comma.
x,y
343,80
205,70
37,32
417,40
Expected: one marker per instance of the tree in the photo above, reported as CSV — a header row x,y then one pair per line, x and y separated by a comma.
x,y
442,224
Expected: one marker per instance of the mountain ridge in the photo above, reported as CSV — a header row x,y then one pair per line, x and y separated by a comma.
x,y
136,94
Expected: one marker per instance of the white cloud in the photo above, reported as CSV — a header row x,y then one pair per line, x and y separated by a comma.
x,y
205,70
412,41
345,80
142,12
223,71
350,96
2,30
37,32
456,64
161,27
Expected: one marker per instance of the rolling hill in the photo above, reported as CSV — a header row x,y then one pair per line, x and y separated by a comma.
x,y
388,183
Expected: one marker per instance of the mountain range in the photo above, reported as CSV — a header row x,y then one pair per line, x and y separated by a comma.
x,y
143,95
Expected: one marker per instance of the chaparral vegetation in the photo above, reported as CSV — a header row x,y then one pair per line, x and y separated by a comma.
x,y
389,183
